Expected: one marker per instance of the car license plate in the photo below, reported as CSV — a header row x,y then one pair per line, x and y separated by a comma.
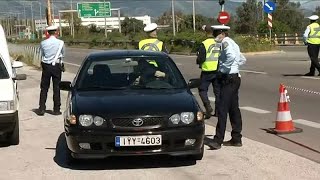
x,y
146,140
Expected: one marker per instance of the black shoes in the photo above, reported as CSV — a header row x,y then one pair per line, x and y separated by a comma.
x,y
41,112
209,110
214,145
309,74
232,143
56,113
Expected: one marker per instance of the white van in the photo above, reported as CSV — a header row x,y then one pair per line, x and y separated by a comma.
x,y
9,96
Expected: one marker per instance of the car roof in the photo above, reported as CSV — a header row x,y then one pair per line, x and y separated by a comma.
x,y
128,53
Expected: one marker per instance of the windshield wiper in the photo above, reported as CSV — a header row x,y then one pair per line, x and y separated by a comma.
x,y
102,88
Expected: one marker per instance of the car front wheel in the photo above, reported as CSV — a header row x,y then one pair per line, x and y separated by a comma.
x,y
14,136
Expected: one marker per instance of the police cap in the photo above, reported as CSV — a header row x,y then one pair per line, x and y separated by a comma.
x,y
52,28
220,27
150,27
313,17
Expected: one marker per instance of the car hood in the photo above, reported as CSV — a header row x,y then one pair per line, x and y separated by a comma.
x,y
128,103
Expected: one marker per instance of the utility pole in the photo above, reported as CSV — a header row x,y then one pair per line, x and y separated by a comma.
x,y
105,18
173,19
49,13
72,23
194,16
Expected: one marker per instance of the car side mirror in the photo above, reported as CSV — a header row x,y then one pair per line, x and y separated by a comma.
x,y
194,83
17,64
20,77
65,85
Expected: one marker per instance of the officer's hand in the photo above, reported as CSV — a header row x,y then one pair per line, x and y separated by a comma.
x,y
136,82
159,74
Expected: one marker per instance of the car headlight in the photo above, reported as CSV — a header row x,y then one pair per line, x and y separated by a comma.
x,y
175,119
85,120
98,121
6,105
185,117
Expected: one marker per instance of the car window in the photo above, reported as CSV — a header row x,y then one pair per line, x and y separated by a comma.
x,y
3,71
130,73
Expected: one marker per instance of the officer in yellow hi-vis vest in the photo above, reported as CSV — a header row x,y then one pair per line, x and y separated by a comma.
x,y
152,43
207,58
311,38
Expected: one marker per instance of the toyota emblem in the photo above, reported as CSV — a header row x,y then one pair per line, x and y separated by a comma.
x,y
137,122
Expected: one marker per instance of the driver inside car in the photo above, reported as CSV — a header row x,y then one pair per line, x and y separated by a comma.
x,y
148,72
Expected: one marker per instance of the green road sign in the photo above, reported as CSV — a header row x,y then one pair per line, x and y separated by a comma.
x,y
94,9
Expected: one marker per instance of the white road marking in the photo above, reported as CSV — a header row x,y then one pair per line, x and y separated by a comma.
x,y
72,64
255,110
178,64
307,123
255,72
307,77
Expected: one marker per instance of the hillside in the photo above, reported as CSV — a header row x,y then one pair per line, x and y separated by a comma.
x,y
154,8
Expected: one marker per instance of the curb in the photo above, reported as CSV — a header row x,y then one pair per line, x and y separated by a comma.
x,y
264,52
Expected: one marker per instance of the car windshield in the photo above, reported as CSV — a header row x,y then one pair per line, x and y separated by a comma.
x,y
3,71
129,73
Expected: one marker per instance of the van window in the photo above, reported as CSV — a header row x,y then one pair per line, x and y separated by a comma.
x,y
3,71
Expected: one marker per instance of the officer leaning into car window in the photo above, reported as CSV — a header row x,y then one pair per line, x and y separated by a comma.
x,y
153,44
229,78
52,52
207,58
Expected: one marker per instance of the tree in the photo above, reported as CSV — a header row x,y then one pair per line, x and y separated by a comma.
x,y
290,14
247,17
131,26
317,11
67,18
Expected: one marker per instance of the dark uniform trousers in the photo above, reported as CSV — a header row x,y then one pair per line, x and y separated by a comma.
x,y
313,51
208,78
229,104
55,72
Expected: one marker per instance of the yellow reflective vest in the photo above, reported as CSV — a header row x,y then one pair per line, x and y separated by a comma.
x,y
314,35
151,44
212,55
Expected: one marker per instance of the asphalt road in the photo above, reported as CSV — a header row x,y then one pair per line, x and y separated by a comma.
x,y
259,95
40,154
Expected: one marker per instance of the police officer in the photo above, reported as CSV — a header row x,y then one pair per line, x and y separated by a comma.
x,y
207,58
311,38
153,44
229,78
52,52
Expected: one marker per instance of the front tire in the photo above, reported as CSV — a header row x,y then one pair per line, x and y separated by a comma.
x,y
14,138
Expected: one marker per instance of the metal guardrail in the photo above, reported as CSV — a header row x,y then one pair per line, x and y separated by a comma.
x,y
31,52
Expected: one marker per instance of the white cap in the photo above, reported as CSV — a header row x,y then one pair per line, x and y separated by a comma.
x,y
51,28
220,27
313,17
150,27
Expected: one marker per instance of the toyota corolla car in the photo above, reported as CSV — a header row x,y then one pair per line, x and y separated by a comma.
x,y
131,102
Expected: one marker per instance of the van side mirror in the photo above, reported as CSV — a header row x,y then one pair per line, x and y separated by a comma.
x,y
20,77
65,85
194,83
17,64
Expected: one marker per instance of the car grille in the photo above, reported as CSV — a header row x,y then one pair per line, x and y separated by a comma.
x,y
147,122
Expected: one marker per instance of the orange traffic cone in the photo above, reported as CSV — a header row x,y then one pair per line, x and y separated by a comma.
x,y
284,124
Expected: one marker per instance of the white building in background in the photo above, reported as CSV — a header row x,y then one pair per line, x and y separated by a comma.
x,y
111,22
